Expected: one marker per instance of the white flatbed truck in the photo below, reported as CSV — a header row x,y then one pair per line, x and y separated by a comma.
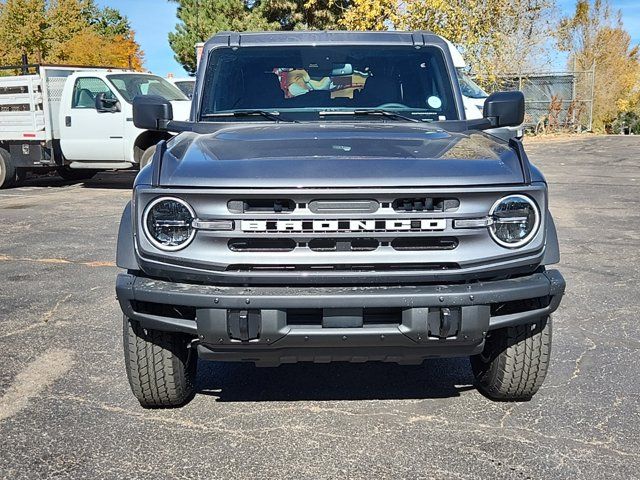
x,y
76,120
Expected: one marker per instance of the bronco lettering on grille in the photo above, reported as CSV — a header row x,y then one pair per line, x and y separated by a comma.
x,y
321,226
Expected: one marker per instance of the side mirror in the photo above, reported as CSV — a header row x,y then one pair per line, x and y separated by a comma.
x,y
152,112
504,109
106,105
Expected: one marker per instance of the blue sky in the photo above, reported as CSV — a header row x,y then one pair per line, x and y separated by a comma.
x,y
154,19
630,14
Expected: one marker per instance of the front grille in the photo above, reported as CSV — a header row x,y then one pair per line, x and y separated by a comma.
x,y
341,235
318,233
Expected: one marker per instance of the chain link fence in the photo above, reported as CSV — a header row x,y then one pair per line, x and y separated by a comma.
x,y
554,101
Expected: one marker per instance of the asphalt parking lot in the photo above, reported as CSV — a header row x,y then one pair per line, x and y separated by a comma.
x,y
66,410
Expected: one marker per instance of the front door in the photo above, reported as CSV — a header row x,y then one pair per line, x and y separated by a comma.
x,y
87,134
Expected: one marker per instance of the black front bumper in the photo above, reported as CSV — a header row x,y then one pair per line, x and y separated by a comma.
x,y
251,324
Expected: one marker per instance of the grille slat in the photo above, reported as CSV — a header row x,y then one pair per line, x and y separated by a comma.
x,y
262,205
424,243
426,204
262,245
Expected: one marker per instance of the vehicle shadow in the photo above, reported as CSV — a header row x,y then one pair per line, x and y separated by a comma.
x,y
122,180
243,382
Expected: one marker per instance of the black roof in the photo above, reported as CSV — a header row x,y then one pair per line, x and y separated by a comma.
x,y
323,37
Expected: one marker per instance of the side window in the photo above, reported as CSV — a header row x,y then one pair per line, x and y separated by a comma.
x,y
85,91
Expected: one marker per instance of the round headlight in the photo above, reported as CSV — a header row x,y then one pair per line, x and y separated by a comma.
x,y
167,223
515,220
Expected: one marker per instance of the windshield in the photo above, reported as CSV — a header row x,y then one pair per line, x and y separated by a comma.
x,y
130,85
468,87
408,80
186,86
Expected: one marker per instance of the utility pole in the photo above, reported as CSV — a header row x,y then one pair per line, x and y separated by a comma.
x,y
573,93
593,88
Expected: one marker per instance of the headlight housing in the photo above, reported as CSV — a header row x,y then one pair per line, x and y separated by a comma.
x,y
167,223
515,220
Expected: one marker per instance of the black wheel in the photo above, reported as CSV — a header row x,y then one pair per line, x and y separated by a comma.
x,y
7,170
76,174
147,156
160,366
514,362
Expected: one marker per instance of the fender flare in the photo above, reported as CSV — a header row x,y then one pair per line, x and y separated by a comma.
x,y
552,247
126,251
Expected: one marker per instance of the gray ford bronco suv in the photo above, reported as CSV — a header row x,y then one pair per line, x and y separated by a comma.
x,y
328,201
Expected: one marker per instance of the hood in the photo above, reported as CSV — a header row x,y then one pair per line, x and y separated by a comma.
x,y
337,155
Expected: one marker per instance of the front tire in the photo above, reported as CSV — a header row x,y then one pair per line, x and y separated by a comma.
x,y
161,367
514,362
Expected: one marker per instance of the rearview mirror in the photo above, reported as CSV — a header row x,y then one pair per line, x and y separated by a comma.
x,y
504,109
152,112
106,105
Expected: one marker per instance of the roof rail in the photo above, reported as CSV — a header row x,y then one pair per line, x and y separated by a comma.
x,y
25,68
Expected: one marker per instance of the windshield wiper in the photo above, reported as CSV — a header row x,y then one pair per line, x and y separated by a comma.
x,y
248,113
371,111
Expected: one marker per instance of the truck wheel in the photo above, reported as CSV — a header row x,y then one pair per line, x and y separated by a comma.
x,y
514,361
147,156
161,367
7,170
74,174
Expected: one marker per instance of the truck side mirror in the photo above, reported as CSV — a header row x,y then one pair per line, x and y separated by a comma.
x,y
504,109
152,112
104,104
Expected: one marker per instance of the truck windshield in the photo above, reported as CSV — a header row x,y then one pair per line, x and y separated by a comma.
x,y
130,85
346,78
186,86
468,87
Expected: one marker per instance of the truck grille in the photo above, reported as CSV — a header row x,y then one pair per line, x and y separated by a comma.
x,y
338,235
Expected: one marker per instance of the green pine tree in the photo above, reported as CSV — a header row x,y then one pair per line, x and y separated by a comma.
x,y
199,20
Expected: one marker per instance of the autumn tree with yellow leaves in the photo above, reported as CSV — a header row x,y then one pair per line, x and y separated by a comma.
x,y
76,32
594,37
495,36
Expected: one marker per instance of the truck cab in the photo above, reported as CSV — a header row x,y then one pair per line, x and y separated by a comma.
x,y
96,116
77,120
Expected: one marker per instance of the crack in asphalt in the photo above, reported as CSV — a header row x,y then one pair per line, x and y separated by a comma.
x,y
33,379
97,263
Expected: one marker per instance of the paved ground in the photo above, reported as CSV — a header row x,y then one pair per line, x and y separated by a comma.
x,y
66,410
